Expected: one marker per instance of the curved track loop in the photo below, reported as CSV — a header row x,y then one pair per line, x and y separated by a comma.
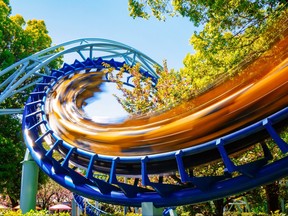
x,y
18,76
87,207
62,160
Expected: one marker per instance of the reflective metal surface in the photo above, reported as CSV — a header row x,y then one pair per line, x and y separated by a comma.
x,y
260,90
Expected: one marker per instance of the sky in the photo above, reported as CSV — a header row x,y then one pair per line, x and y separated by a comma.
x,y
109,19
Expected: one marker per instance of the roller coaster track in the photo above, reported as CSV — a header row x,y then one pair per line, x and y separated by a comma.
x,y
127,177
87,207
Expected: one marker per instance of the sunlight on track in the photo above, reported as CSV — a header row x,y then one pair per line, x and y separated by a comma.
x,y
257,92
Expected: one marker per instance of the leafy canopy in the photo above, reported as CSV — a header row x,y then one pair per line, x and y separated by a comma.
x,y
18,39
233,34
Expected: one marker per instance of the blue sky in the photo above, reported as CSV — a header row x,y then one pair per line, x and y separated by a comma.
x,y
73,19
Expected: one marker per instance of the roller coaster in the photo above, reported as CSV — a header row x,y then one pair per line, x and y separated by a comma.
x,y
149,158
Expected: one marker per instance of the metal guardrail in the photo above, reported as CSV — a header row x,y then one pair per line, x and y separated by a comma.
x,y
191,189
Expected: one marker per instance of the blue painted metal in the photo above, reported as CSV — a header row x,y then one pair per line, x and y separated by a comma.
x,y
279,141
37,65
191,189
87,207
161,194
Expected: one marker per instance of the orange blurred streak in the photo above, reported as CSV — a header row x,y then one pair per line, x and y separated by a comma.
x,y
258,91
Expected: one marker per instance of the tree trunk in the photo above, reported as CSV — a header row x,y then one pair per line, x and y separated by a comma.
x,y
14,202
219,205
272,196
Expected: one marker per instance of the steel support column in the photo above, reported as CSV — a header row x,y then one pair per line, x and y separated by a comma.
x,y
29,183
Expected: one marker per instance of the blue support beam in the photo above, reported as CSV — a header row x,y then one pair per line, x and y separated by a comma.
x,y
189,188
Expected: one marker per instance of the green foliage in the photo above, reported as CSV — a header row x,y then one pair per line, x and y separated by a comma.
x,y
158,8
244,214
234,33
171,90
12,151
276,213
198,209
232,14
50,193
33,213
142,89
7,30
11,154
133,214
219,51
18,39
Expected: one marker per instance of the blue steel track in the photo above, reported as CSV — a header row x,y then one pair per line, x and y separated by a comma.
x,y
190,189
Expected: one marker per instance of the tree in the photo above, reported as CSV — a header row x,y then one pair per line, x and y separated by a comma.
x,y
18,39
12,151
144,97
7,30
52,193
231,31
231,14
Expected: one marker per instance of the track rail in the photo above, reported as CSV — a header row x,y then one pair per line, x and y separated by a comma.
x,y
87,207
105,176
189,189
37,65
